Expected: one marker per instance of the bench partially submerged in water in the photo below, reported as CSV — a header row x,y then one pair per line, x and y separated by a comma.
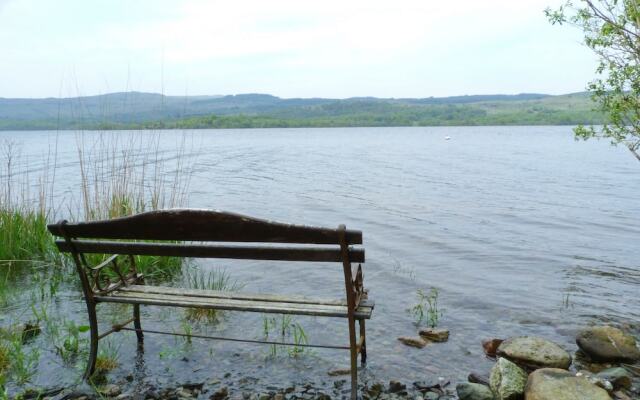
x,y
193,233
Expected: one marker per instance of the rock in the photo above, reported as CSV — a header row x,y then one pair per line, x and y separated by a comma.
x,y
533,352
184,393
558,384
338,372
473,391
619,377
397,387
431,396
603,383
507,380
490,346
413,342
606,343
220,394
375,390
109,390
435,334
478,378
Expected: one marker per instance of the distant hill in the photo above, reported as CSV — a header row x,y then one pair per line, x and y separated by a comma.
x,y
136,110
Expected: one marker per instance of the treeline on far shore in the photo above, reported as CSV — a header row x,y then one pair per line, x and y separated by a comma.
x,y
377,115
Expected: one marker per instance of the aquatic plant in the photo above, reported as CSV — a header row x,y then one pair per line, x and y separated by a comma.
x,y
121,179
287,329
427,308
107,359
218,280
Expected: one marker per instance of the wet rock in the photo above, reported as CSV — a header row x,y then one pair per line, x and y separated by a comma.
x,y
109,390
184,393
220,394
478,378
413,341
30,330
425,386
603,383
397,387
435,334
619,377
507,380
606,343
558,384
278,396
431,396
193,386
490,346
375,390
533,352
473,391
124,396
338,372
620,395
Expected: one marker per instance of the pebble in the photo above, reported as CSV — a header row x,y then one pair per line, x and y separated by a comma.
x,y
435,334
418,342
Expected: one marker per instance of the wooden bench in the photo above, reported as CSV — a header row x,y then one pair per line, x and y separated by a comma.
x,y
190,233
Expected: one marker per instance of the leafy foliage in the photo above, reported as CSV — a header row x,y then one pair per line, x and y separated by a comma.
x,y
612,30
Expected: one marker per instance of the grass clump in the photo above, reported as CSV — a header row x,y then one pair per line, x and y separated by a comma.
x,y
218,280
120,179
285,328
24,236
427,309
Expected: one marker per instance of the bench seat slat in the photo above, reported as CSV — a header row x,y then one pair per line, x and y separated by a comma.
x,y
268,304
231,295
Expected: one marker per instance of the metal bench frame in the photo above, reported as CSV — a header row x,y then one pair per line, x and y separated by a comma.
x,y
189,233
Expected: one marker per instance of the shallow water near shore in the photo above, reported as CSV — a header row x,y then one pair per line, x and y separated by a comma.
x,y
523,231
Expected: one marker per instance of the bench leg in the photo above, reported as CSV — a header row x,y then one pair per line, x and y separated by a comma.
x,y
354,358
363,349
93,349
136,323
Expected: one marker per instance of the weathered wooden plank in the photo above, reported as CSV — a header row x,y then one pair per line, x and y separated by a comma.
x,y
317,254
366,303
201,225
232,305
231,295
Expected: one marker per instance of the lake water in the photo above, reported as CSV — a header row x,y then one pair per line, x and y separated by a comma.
x,y
523,231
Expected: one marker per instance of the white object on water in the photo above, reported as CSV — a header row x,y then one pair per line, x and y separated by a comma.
x,y
447,137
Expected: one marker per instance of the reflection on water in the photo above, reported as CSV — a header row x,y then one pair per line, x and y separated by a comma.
x,y
522,229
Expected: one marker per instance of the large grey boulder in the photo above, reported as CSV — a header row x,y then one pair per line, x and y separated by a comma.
x,y
473,391
507,380
559,384
534,352
608,344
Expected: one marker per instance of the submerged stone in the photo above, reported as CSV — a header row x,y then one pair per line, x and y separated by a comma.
x,y
473,391
619,377
490,346
534,352
435,334
413,341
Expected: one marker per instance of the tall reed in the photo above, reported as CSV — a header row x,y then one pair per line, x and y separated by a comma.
x,y
122,175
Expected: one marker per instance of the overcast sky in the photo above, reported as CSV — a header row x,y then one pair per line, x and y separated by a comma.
x,y
297,48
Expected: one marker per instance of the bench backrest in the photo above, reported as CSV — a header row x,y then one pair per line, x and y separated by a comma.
x,y
193,225
189,233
